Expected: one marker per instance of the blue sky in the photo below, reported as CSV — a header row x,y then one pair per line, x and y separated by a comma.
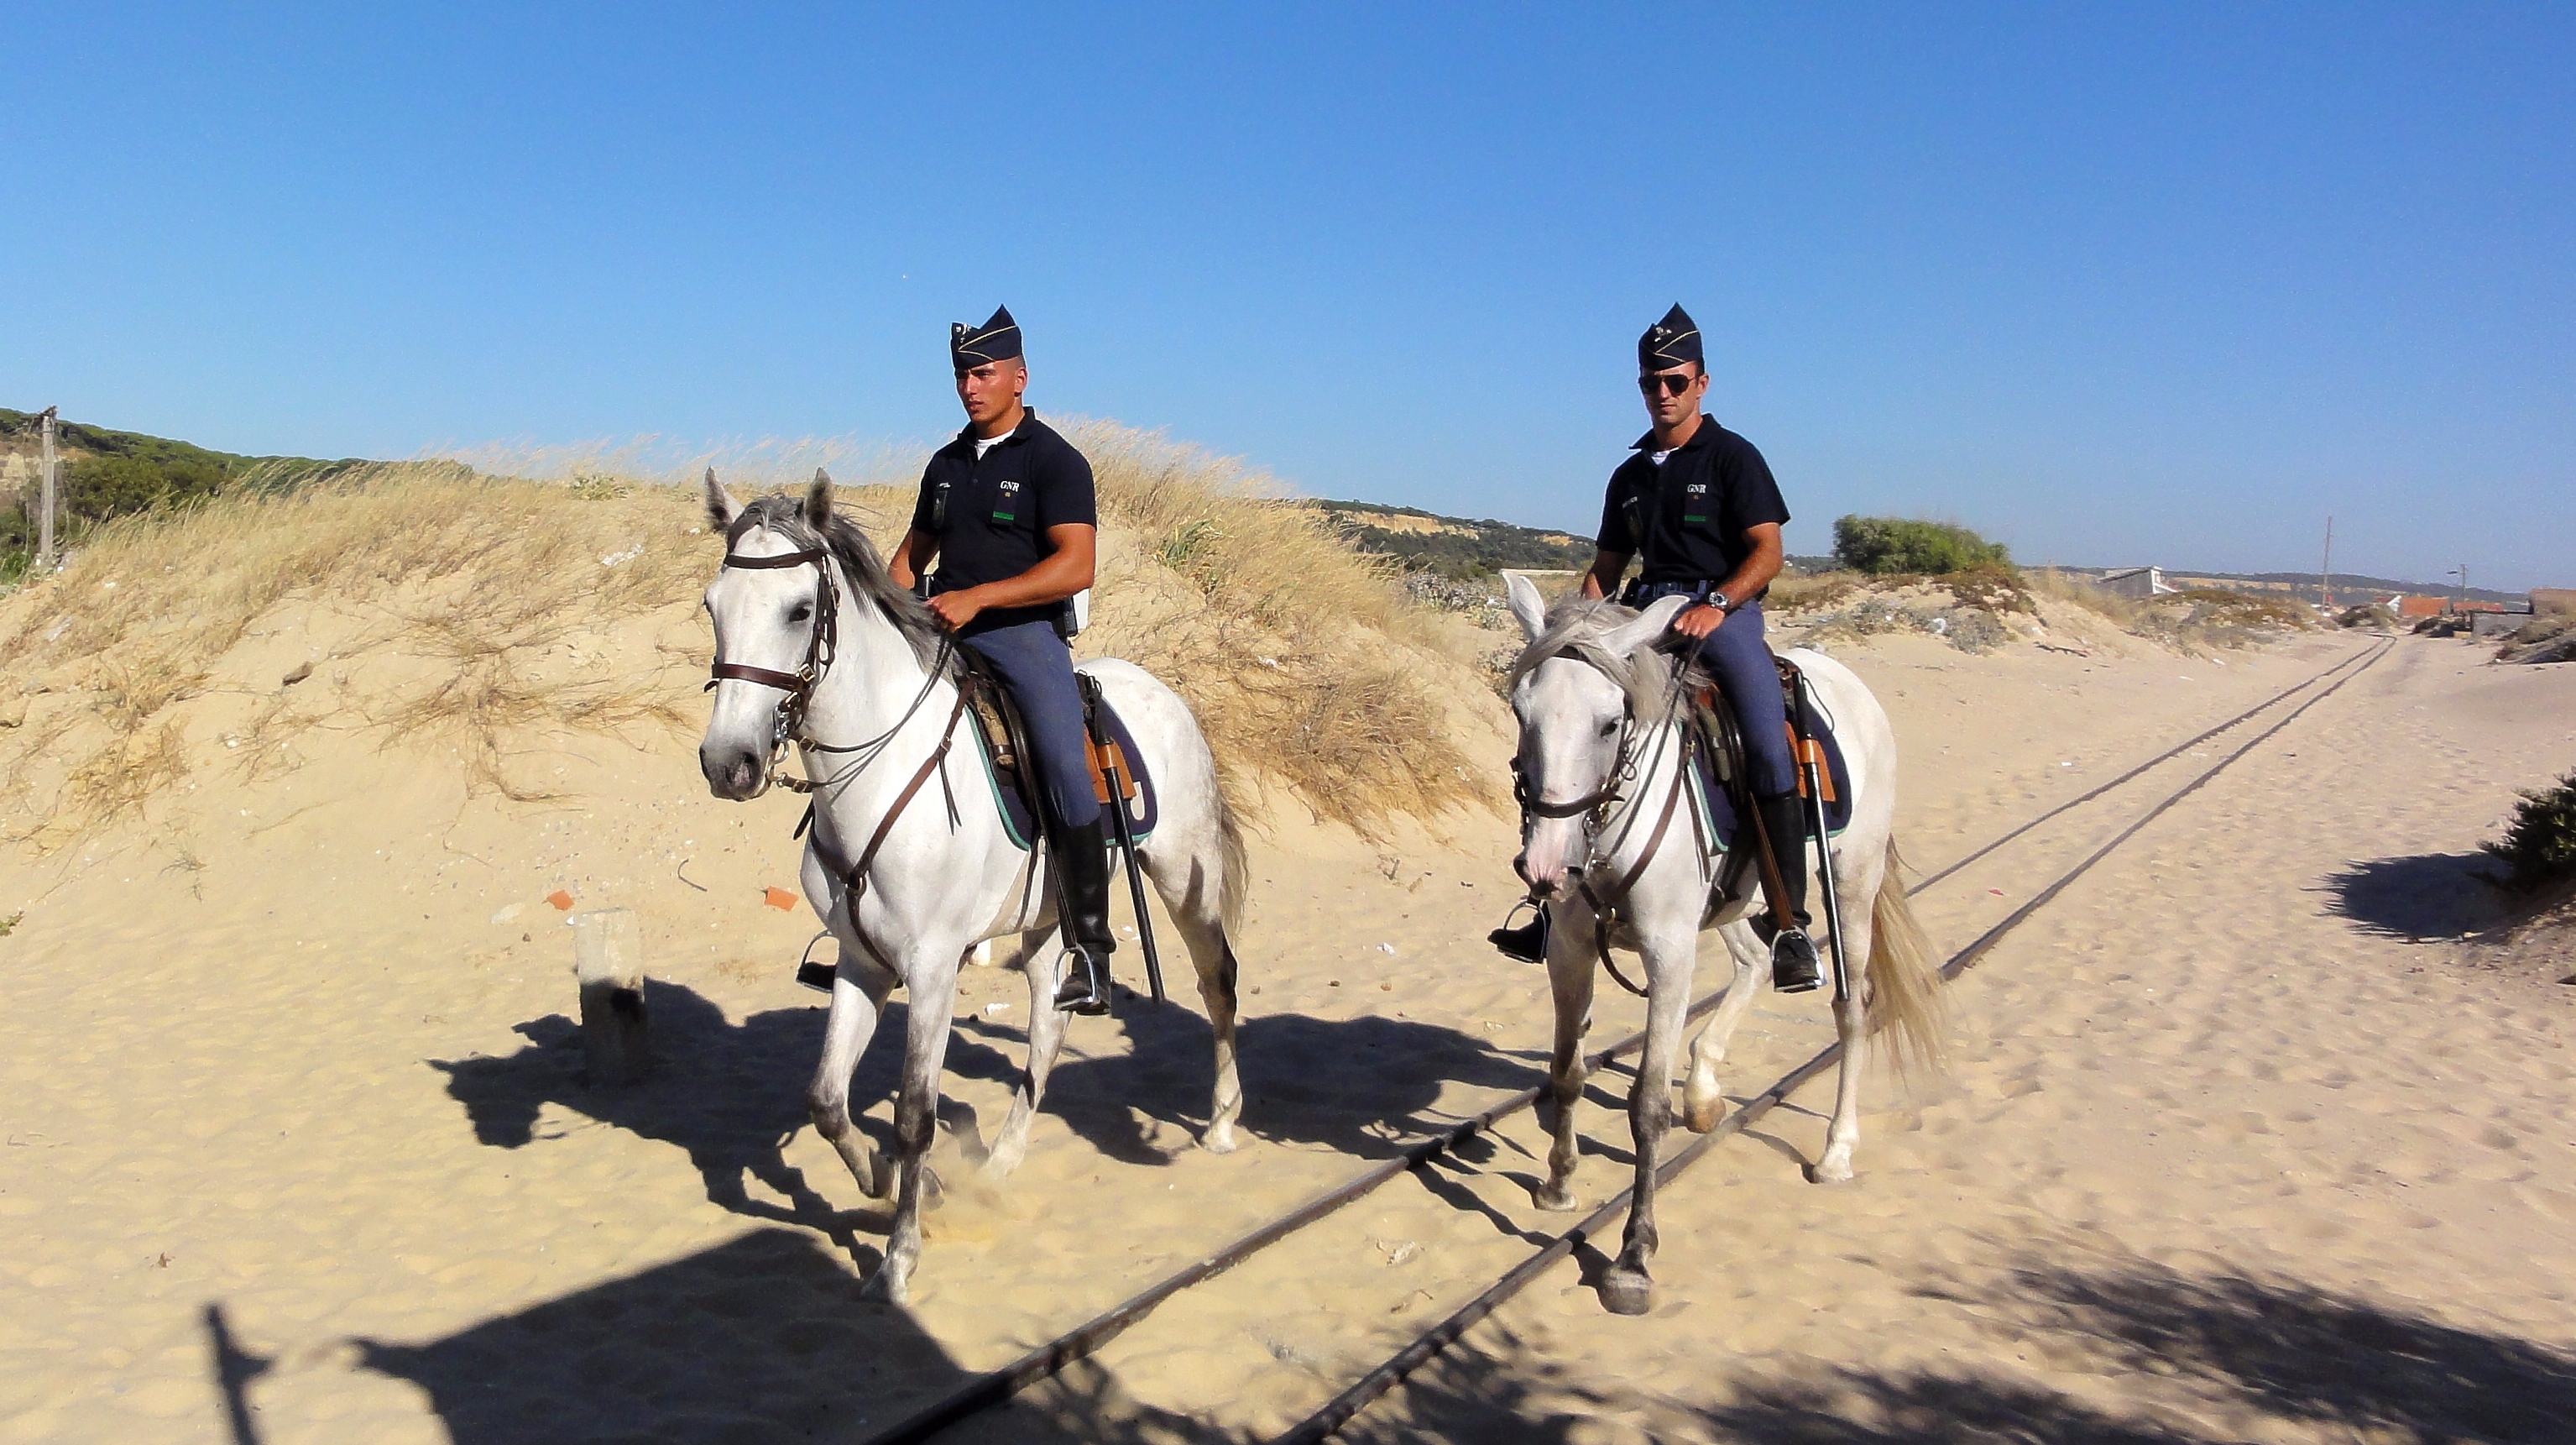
x,y
2159,283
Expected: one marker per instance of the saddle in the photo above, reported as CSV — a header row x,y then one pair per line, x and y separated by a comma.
x,y
1717,756
1109,750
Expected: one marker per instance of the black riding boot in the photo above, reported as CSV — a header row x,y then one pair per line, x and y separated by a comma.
x,y
1082,863
1527,943
1793,953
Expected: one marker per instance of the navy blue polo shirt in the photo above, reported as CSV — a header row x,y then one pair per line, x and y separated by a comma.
x,y
999,509
1694,508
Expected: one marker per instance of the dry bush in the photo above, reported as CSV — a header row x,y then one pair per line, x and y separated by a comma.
x,y
2122,612
469,569
1302,657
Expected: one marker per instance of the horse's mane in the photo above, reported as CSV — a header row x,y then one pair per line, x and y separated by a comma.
x,y
1576,628
785,516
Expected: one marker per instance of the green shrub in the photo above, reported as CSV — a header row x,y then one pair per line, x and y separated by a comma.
x,y
1881,545
2540,847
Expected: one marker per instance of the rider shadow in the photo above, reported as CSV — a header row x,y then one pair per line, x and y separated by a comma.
x,y
758,1338
2428,895
1365,1086
728,1095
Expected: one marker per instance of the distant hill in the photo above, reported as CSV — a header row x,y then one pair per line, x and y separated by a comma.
x,y
107,473
1455,547
2348,587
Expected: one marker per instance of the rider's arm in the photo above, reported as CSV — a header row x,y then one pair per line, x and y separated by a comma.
x,y
1058,575
912,558
1759,566
1755,573
1603,579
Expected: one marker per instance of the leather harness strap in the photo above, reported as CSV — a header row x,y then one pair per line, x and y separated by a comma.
x,y
855,875
1601,909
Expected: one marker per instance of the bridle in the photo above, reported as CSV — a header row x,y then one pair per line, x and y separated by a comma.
x,y
1597,804
796,689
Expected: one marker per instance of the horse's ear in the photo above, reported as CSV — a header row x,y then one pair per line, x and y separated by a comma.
x,y
1528,608
1649,626
721,509
818,500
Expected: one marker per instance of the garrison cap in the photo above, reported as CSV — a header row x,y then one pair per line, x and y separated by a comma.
x,y
996,340
1671,342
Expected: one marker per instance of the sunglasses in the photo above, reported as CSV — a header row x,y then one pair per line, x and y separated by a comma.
x,y
1667,382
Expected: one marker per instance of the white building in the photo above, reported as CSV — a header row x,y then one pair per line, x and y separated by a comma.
x,y
2135,582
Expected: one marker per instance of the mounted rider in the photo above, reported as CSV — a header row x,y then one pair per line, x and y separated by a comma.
x,y
1006,510
1700,506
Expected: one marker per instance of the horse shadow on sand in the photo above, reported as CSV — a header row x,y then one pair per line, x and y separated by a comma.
x,y
2428,895
2232,1349
758,1338
730,1096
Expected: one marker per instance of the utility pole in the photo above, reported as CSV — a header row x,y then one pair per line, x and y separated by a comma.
x,y
45,519
2325,569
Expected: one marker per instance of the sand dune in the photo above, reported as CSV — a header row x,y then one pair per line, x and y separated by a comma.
x,y
2233,1145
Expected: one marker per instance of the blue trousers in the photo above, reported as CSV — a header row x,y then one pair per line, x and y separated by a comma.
x,y
1735,653
1037,668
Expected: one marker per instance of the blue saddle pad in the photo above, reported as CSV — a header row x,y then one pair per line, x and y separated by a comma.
x,y
1720,808
1019,817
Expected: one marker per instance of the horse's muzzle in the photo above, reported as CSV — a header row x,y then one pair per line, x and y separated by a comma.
x,y
737,773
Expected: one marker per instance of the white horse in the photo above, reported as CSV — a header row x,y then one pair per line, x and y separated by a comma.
x,y
816,645
1594,701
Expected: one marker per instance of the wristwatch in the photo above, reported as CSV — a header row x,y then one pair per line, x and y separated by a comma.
x,y
1718,600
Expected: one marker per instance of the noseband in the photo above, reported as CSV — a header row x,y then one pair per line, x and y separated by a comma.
x,y
797,687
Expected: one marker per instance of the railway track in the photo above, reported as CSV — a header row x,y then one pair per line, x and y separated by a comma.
x,y
997,1387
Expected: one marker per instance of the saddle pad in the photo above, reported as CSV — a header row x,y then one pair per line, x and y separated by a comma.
x,y
1719,808
1019,816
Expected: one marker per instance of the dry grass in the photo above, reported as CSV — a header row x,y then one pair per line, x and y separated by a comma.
x,y
1303,658
2194,622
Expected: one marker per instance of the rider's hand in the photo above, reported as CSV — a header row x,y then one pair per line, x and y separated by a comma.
x,y
955,609
1698,620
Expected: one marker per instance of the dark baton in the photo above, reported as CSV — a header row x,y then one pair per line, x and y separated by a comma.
x,y
1809,753
1117,807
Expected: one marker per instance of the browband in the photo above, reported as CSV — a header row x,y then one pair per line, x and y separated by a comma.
x,y
783,559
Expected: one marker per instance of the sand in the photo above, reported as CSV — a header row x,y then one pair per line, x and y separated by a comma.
x,y
2239,1140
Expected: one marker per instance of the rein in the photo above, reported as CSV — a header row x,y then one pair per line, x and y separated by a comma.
x,y
1624,768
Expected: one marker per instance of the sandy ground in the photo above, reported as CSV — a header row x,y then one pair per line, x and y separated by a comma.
x,y
2238,1142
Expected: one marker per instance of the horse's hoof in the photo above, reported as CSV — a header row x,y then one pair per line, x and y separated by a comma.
x,y
1218,1140
1626,1291
1701,1117
1555,1198
885,1287
999,1164
1836,1177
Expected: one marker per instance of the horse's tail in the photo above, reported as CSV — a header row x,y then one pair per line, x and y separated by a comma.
x,y
1905,999
1236,884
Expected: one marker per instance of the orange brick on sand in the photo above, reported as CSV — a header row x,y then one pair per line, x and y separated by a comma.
x,y
560,899
778,898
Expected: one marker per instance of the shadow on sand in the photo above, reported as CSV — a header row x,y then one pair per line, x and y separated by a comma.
x,y
760,1338
2306,1360
2429,895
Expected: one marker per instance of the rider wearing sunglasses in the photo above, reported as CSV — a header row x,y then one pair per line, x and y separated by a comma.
x,y
1007,511
1698,504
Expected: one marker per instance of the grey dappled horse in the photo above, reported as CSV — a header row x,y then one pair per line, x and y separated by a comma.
x,y
854,667
1595,703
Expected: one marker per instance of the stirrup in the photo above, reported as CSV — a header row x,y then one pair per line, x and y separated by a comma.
x,y
1527,943
1793,962
1086,985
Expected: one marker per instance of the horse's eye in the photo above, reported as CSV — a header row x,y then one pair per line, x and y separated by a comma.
x,y
1610,729
802,611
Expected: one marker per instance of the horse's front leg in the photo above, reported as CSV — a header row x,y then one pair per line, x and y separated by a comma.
x,y
916,1114
1625,1287
1571,962
858,998
1042,957
1704,1099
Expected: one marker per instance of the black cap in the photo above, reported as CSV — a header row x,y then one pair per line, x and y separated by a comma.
x,y
1671,342
996,340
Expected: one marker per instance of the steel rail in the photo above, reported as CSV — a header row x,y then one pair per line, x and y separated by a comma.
x,y
1339,1411
994,1387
